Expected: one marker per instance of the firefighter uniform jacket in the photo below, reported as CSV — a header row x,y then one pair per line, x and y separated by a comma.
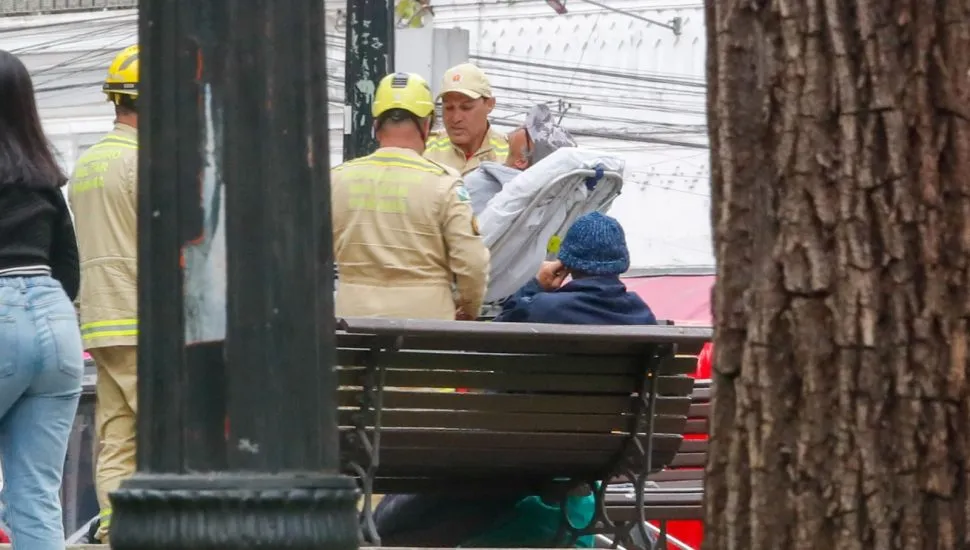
x,y
404,233
102,193
439,148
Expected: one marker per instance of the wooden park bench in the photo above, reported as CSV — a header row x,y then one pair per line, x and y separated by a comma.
x,y
544,403
677,492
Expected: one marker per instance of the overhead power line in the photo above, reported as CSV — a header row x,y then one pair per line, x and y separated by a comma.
x,y
636,138
590,70
676,24
613,104
24,28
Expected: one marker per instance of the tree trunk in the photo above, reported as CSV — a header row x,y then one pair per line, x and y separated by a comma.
x,y
840,169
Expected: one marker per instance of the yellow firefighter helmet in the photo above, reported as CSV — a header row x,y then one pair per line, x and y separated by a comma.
x,y
405,91
122,76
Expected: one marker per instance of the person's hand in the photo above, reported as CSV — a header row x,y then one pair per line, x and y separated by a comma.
x,y
460,315
551,275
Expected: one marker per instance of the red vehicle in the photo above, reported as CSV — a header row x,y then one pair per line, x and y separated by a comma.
x,y
684,299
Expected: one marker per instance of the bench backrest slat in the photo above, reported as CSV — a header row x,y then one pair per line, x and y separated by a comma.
x,y
511,362
688,466
529,332
553,383
521,403
512,422
523,442
516,337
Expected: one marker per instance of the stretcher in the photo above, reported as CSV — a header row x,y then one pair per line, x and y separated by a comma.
x,y
523,224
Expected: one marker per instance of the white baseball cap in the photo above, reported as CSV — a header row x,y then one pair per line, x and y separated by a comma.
x,y
466,79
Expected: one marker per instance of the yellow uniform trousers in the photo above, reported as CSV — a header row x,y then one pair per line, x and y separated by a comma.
x,y
117,405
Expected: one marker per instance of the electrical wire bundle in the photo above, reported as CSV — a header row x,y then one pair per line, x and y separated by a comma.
x,y
596,102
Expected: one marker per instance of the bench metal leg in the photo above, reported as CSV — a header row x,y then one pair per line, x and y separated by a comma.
x,y
639,459
662,539
636,462
368,445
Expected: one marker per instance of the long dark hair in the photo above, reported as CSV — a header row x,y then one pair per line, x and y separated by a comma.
x,y
26,157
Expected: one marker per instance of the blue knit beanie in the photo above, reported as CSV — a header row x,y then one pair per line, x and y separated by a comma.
x,y
595,245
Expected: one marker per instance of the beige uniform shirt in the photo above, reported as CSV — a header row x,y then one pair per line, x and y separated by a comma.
x,y
103,196
439,148
404,233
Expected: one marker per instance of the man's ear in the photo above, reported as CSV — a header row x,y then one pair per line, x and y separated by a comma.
x,y
490,104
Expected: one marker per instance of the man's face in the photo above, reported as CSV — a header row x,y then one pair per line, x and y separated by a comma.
x,y
466,119
520,149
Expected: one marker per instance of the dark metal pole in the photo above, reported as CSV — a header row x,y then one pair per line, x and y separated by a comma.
x,y
237,429
369,58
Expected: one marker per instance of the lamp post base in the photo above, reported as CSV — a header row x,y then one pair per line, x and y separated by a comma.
x,y
237,511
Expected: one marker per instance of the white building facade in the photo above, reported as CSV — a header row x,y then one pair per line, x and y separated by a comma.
x,y
622,80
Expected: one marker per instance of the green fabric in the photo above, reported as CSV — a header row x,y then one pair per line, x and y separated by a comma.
x,y
534,524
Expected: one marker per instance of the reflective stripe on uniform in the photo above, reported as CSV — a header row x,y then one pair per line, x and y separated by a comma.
x,y
501,149
115,141
107,329
438,144
393,159
105,518
118,137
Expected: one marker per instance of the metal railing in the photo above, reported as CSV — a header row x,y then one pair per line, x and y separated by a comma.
x,y
34,7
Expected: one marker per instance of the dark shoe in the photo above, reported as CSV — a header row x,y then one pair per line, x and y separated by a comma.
x,y
91,537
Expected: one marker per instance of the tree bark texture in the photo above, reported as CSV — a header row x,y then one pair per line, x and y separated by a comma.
x,y
840,166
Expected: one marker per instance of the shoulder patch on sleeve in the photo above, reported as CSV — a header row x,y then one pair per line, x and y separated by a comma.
x,y
462,193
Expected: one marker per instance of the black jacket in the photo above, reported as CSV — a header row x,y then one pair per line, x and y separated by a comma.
x,y
36,229
600,300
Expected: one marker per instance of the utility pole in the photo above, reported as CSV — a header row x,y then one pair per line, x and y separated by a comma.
x,y
369,58
237,429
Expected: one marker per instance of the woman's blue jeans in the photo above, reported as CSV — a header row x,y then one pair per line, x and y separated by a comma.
x,y
41,365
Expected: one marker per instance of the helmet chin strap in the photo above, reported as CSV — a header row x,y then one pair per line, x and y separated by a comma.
x,y
419,123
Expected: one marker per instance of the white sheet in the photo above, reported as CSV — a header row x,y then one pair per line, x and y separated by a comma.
x,y
543,201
